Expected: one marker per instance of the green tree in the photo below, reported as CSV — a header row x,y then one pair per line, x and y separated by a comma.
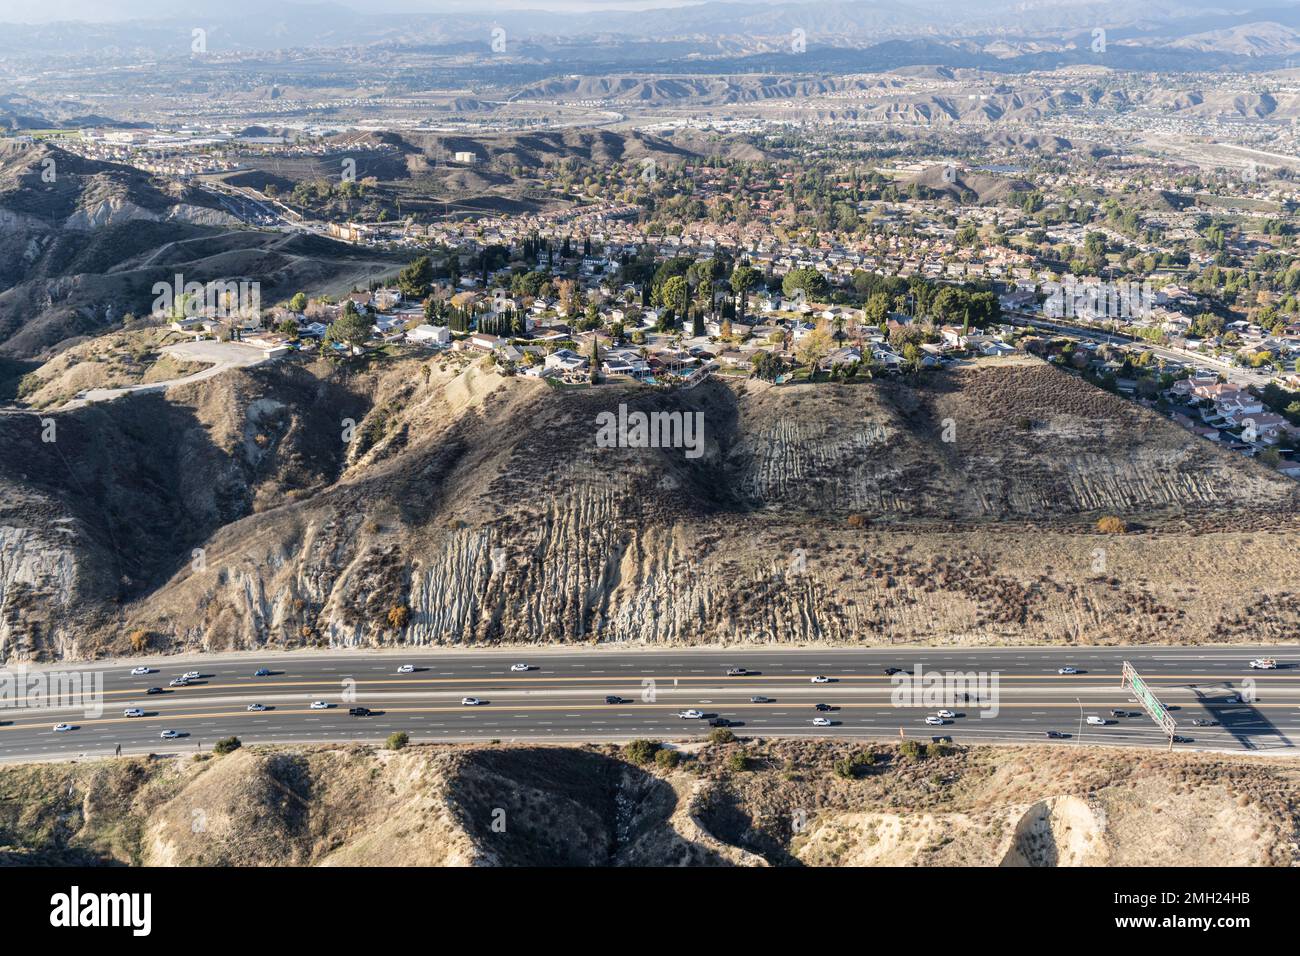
x,y
849,766
675,294
876,309
738,761
743,279
812,282
397,740
351,328
912,750
415,279
641,751
814,346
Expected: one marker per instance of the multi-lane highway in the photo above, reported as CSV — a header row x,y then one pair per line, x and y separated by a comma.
x,y
562,697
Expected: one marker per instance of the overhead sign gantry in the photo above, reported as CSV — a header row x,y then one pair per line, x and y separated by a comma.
x,y
1157,711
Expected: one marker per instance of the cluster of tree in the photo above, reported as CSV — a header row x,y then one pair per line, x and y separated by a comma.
x,y
351,328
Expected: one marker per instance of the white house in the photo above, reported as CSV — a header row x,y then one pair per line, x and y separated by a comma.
x,y
566,360
426,334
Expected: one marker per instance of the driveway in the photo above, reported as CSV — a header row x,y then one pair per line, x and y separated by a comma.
x,y
220,356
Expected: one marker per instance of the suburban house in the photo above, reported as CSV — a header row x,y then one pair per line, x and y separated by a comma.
x,y
565,360
425,334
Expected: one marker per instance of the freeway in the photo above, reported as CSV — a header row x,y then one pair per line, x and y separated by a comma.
x,y
1009,695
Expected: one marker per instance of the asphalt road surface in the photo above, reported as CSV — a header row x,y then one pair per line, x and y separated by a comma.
x,y
561,697
221,355
1241,377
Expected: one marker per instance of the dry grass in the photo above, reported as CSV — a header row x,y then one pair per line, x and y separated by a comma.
x,y
501,805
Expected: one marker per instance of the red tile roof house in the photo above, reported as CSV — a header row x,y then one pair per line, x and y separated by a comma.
x,y
1216,391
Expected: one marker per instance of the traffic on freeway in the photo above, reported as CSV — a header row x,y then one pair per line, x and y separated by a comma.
x,y
1222,698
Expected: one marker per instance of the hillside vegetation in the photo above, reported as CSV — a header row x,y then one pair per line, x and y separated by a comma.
x,y
245,511
796,803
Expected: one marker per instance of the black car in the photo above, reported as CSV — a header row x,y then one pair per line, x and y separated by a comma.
x,y
1182,740
154,690
891,671
359,711
1055,734
611,699
719,722
823,707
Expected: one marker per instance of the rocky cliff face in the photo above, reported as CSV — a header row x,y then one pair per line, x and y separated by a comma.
x,y
293,506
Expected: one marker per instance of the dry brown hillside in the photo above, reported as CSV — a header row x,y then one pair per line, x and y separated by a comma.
x,y
961,507
795,803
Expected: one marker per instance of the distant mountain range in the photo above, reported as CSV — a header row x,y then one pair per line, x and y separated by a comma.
x,y
1176,33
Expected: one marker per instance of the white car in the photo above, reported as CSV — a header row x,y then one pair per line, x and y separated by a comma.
x,y
191,675
1067,670
133,712
178,682
519,667
736,672
169,735
821,722
406,669
62,728
691,714
320,705
256,708
946,714
140,671
819,679
1096,722
1264,664
934,721
470,701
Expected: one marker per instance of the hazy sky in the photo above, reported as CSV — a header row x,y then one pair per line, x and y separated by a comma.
x,y
27,11
44,11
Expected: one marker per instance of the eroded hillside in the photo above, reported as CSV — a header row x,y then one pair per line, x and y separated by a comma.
x,y
83,242
444,503
795,803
